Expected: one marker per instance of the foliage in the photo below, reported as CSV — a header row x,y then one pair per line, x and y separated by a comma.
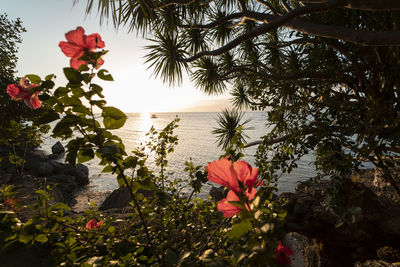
x,y
17,134
19,138
325,71
10,37
162,227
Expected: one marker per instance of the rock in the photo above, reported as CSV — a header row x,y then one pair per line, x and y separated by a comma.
x,y
305,252
33,162
45,169
84,169
218,193
119,198
66,184
374,263
389,254
80,173
375,224
57,148
6,178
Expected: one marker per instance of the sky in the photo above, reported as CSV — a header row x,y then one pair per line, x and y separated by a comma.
x,y
134,88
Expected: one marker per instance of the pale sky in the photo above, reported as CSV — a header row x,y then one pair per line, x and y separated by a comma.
x,y
133,89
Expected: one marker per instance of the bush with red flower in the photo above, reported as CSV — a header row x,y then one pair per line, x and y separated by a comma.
x,y
161,228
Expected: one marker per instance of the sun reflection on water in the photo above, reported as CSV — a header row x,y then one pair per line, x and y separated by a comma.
x,y
144,125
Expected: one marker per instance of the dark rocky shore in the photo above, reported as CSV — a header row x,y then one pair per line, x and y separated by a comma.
x,y
369,234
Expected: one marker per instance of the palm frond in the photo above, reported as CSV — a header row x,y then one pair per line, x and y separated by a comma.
x,y
166,57
231,128
207,77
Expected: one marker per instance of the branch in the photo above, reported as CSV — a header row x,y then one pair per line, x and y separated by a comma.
x,y
367,5
275,22
279,139
359,37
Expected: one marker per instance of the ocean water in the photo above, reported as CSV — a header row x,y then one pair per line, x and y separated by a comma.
x,y
196,142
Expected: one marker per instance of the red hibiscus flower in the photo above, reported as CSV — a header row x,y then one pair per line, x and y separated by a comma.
x,y
10,204
79,44
227,174
229,209
283,254
23,90
92,224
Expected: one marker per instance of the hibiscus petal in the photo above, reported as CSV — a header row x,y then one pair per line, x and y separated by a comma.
x,y
70,50
245,173
76,63
91,224
94,41
221,172
33,101
14,91
227,209
76,37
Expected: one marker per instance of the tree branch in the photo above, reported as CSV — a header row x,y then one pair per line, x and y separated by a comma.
x,y
359,37
368,5
275,22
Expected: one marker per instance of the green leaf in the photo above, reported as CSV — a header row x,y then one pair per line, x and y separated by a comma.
x,y
147,185
99,103
73,76
47,117
83,67
171,258
47,84
97,89
61,91
60,206
49,77
240,229
107,168
34,78
41,238
85,155
130,162
63,127
113,118
24,238
104,75
111,229
120,181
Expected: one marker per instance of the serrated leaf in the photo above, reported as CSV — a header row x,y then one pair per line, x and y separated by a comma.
x,y
104,75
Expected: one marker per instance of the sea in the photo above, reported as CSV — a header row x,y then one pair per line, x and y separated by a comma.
x,y
196,143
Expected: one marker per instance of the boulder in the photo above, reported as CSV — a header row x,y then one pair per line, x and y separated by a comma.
x,y
310,214
119,198
306,252
80,172
57,148
45,169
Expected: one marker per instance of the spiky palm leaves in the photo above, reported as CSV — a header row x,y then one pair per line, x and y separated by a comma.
x,y
231,128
